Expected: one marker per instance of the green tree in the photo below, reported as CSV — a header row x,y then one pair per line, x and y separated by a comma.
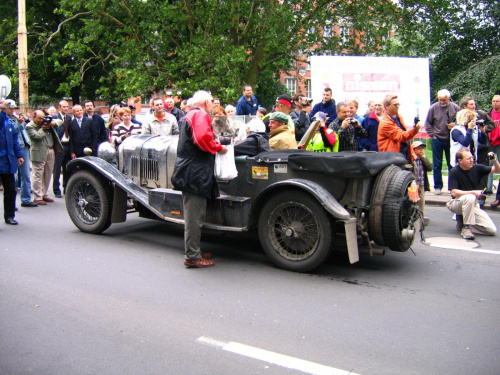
x,y
114,49
462,39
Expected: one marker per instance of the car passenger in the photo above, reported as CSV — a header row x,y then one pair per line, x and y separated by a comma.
x,y
281,138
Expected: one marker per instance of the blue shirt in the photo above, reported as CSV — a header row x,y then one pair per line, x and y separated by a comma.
x,y
247,108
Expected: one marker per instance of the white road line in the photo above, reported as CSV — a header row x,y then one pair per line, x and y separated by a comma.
x,y
274,358
466,249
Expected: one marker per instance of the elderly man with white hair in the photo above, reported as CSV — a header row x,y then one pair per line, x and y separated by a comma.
x,y
194,175
438,124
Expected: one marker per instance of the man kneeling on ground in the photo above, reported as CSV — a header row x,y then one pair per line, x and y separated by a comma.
x,y
463,183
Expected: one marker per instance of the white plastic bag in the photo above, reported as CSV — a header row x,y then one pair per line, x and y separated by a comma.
x,y
225,166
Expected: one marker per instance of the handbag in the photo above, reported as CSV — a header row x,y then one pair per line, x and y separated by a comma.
x,y
225,165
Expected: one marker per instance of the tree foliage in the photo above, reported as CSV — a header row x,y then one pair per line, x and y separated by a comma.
x,y
462,39
113,49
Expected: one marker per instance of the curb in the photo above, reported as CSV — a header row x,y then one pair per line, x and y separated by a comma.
x,y
441,202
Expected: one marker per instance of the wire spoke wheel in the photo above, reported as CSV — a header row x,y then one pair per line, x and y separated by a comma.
x,y
89,206
295,231
88,202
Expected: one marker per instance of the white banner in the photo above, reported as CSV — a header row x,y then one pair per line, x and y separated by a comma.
x,y
372,78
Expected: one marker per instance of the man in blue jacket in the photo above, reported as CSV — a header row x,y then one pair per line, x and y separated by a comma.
x,y
10,159
327,106
247,105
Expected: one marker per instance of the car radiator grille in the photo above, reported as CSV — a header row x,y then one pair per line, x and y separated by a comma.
x,y
149,169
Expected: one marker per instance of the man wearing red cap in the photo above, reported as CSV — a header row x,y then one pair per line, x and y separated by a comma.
x,y
284,105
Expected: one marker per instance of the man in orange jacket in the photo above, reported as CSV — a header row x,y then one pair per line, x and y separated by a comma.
x,y
392,133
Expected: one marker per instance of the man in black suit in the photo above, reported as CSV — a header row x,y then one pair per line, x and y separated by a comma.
x,y
97,122
82,134
61,158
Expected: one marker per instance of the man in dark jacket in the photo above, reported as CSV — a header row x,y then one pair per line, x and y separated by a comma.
x,y
61,158
370,124
327,105
194,175
300,117
173,110
82,134
10,158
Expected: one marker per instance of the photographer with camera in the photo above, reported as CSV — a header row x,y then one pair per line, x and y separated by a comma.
x,y
45,144
299,115
392,132
480,144
347,128
463,183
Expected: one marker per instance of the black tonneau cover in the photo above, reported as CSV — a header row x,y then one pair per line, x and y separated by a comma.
x,y
347,164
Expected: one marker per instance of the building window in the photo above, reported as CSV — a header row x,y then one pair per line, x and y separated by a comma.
x,y
327,31
291,85
308,88
308,63
343,35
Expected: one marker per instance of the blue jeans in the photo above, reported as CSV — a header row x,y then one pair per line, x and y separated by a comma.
x,y
438,147
496,150
24,174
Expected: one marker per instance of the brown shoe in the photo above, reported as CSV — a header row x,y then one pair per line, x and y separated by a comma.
x,y
198,263
495,203
206,255
41,203
47,199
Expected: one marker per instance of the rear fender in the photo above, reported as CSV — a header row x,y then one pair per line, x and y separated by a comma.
x,y
323,196
329,203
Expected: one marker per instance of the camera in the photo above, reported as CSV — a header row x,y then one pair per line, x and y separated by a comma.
x,y
47,119
480,122
305,101
353,121
491,156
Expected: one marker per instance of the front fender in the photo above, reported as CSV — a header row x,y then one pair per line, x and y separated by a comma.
x,y
323,196
122,184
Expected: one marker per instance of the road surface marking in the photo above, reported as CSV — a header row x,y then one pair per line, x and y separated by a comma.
x,y
485,251
274,358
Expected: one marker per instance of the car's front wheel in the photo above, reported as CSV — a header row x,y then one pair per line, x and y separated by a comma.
x,y
295,231
88,202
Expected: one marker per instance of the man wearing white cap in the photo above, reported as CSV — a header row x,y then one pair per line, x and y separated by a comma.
x,y
10,159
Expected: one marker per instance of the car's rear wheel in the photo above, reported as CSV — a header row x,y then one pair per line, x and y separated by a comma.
x,y
88,202
295,231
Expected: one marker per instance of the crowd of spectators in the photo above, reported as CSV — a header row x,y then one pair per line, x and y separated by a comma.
x,y
48,143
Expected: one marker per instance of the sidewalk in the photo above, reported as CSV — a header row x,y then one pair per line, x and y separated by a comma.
x,y
432,199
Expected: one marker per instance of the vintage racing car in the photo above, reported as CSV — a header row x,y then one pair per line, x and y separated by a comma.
x,y
303,204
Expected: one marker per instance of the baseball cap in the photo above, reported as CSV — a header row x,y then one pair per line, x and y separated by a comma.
x,y
279,116
418,144
9,103
320,116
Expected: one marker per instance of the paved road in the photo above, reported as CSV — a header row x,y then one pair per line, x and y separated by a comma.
x,y
122,303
